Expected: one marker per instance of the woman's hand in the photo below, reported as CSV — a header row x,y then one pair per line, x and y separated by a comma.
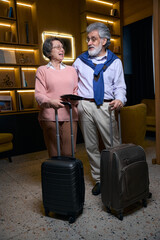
x,y
71,101
56,104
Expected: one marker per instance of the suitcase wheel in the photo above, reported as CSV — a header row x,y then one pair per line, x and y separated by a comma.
x,y
120,216
72,219
144,203
46,212
149,195
108,210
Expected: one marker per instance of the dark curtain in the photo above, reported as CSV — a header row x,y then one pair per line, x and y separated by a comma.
x,y
140,83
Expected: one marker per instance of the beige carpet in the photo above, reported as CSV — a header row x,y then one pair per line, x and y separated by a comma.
x,y
22,214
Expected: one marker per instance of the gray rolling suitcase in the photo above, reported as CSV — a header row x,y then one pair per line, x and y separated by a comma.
x,y
63,188
124,176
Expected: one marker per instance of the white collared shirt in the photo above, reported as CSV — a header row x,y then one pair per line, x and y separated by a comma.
x,y
50,65
114,84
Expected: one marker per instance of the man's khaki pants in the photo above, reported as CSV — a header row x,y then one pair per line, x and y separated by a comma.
x,y
95,119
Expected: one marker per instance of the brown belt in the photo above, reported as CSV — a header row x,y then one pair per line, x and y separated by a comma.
x,y
93,100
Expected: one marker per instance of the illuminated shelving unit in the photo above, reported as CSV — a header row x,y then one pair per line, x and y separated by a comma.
x,y
19,55
108,12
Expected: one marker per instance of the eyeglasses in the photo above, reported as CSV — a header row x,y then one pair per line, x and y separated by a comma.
x,y
58,47
93,39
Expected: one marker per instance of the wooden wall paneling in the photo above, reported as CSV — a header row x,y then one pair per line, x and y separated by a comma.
x,y
156,27
135,10
52,17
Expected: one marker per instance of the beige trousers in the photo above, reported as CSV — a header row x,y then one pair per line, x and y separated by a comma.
x,y
49,132
95,119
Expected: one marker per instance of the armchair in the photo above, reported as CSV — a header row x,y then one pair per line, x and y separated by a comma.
x,y
133,124
6,145
150,118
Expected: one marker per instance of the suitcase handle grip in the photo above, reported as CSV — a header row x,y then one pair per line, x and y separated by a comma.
x,y
57,130
119,127
67,103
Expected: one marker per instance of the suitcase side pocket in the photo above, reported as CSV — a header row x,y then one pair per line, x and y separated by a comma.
x,y
134,181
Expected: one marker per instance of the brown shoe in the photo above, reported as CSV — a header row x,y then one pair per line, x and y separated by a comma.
x,y
97,189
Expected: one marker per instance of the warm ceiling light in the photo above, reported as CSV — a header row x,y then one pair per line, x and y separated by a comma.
x,y
98,19
17,49
6,68
5,25
61,35
23,4
29,69
107,3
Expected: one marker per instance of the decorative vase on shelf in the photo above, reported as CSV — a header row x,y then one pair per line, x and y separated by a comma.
x,y
114,12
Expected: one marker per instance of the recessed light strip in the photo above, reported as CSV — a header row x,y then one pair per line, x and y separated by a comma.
x,y
5,91
20,91
6,68
99,19
107,3
5,1
29,69
18,3
23,4
17,49
5,25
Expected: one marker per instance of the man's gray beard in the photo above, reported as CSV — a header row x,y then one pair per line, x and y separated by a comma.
x,y
96,51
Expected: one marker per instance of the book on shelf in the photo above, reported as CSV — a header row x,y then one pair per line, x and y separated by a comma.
x,y
28,79
10,12
5,103
27,32
8,36
7,56
27,101
24,82
20,102
2,60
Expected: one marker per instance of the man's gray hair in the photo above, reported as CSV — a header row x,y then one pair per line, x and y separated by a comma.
x,y
103,30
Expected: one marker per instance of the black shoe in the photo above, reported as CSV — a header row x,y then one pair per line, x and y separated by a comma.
x,y
97,189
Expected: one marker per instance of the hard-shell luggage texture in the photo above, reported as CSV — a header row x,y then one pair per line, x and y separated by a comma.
x,y
63,189
124,177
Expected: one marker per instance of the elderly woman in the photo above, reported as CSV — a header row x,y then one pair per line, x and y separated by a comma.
x,y
52,81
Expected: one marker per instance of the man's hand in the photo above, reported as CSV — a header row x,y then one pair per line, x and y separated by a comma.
x,y
115,105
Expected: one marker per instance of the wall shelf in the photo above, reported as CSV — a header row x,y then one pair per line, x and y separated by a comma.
x,y
19,54
92,11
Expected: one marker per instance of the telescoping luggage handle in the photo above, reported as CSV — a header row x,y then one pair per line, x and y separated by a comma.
x,y
119,127
57,130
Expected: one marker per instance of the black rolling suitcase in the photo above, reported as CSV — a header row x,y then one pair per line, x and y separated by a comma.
x,y
124,176
63,186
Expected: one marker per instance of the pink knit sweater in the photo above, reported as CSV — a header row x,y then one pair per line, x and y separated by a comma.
x,y
51,83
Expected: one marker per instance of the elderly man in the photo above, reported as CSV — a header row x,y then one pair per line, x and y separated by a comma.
x,y
102,86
